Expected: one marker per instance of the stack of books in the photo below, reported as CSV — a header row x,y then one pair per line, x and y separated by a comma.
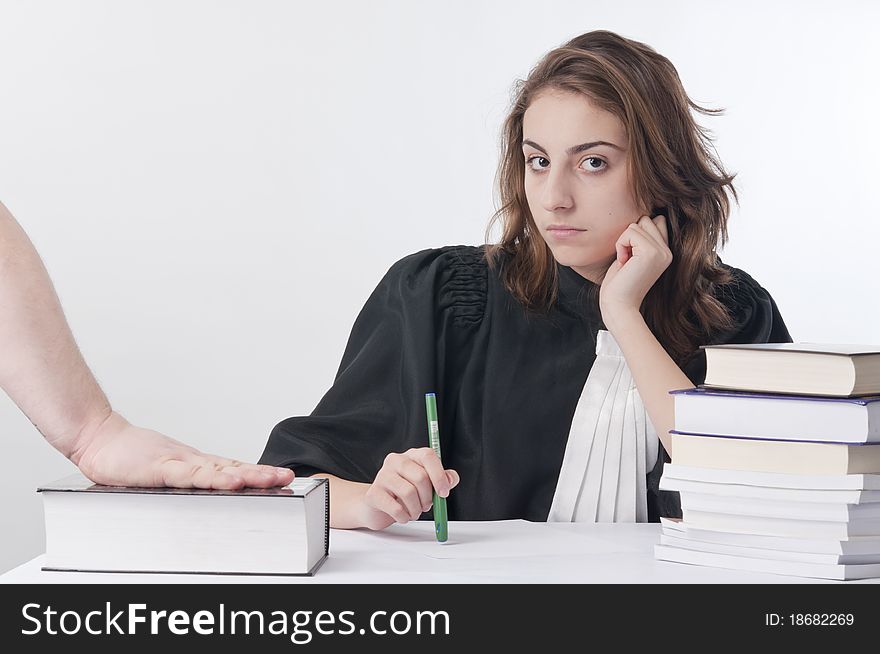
x,y
776,458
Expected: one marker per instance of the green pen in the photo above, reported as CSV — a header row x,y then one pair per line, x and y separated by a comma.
x,y
434,439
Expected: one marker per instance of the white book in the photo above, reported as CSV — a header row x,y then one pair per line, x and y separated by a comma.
x,y
854,481
854,545
748,493
785,527
792,568
764,553
713,412
827,511
270,531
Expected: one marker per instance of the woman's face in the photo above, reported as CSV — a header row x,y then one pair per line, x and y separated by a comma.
x,y
577,176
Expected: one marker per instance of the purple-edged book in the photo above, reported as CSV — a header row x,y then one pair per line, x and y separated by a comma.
x,y
713,412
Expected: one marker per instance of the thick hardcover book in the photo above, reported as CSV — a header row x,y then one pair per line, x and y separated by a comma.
x,y
797,457
265,531
839,370
785,417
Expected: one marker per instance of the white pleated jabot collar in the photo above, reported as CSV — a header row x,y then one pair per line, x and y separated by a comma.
x,y
611,446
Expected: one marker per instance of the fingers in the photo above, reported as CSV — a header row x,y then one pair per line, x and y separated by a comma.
x,y
210,472
418,477
430,462
623,249
642,234
409,480
408,495
405,484
180,474
222,461
380,499
251,474
394,496
633,236
662,225
261,476
254,475
655,228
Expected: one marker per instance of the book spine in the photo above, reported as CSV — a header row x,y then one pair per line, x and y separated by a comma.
x,y
326,516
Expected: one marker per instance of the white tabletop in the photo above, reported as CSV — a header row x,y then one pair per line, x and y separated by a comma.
x,y
513,551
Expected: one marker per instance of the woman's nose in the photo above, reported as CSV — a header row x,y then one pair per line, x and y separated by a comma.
x,y
556,193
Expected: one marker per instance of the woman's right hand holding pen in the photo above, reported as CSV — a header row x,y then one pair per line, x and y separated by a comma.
x,y
404,487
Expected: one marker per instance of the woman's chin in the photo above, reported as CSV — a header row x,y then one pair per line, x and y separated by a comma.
x,y
577,258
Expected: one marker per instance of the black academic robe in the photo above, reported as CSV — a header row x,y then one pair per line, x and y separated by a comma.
x,y
507,383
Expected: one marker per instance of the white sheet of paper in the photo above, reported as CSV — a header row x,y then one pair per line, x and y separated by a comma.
x,y
490,540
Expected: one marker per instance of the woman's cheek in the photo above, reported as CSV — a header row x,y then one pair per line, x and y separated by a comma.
x,y
602,243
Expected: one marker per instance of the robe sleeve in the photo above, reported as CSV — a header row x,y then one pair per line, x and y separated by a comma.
x,y
756,320
425,305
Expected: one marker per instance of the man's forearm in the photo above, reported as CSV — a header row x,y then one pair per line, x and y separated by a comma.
x,y
41,367
653,370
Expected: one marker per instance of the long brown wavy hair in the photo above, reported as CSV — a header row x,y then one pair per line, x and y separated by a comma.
x,y
674,168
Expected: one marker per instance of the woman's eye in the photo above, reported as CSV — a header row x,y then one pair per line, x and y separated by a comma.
x,y
530,160
591,163
594,163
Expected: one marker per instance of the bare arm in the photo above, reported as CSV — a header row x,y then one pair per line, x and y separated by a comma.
x,y
642,255
346,503
43,371
653,370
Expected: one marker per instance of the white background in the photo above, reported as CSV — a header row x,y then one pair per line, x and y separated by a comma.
x,y
216,187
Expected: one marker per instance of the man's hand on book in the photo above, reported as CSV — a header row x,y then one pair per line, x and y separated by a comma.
x,y
116,453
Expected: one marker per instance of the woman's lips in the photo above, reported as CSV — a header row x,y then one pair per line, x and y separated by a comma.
x,y
561,233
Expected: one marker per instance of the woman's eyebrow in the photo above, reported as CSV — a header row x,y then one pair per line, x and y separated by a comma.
x,y
575,148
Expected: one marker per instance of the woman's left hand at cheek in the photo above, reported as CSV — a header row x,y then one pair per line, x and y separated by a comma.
x,y
642,255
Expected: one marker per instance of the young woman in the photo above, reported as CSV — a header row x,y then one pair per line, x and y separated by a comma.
x,y
553,351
